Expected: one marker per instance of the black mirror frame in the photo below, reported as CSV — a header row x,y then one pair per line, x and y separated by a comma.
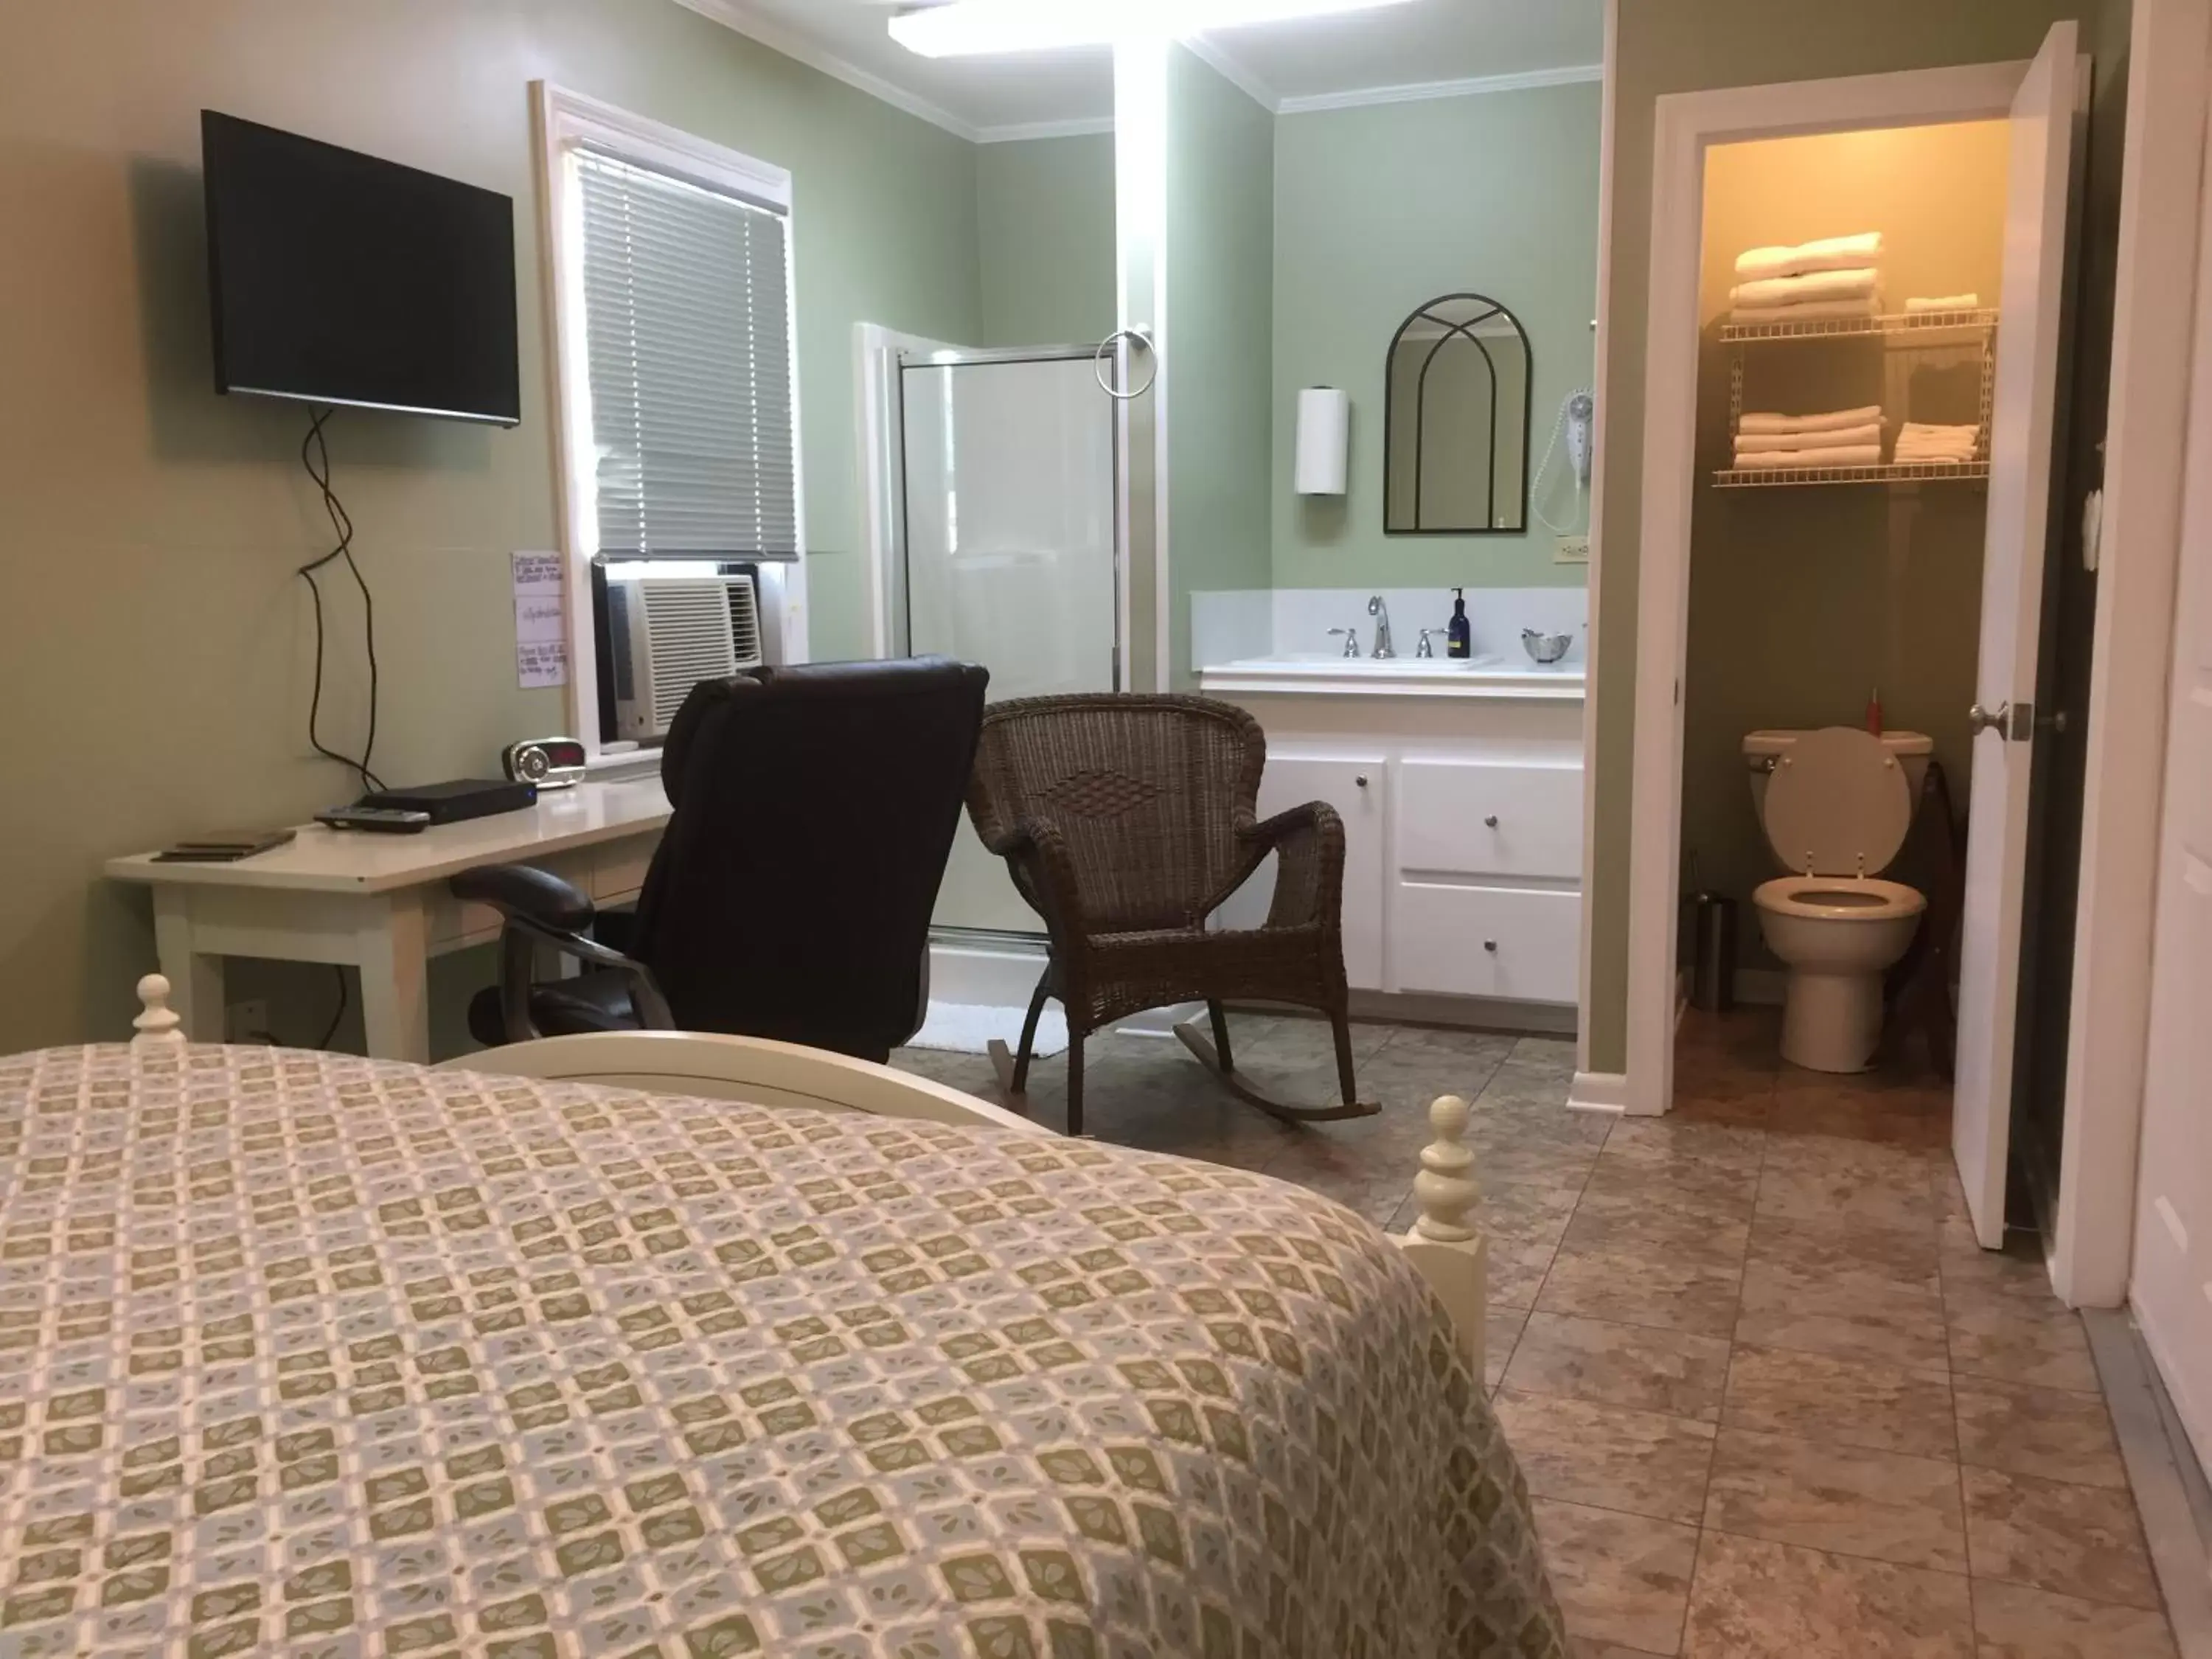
x,y
1389,414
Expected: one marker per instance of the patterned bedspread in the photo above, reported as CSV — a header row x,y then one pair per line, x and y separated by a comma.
x,y
348,1358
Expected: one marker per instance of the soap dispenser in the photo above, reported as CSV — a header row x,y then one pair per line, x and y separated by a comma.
x,y
1458,638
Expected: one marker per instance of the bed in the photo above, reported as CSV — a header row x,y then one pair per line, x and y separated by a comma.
x,y
354,1357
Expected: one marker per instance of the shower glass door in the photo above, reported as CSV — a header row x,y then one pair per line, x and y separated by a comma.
x,y
1008,485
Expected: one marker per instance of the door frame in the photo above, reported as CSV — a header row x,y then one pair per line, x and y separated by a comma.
x,y
2162,217
1685,126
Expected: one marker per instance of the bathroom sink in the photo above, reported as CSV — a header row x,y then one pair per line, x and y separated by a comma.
x,y
1331,664
1322,672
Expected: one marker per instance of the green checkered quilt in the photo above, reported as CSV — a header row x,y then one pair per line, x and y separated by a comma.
x,y
345,1357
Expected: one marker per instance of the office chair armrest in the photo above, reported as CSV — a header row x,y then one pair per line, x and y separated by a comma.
x,y
1308,842
523,893
536,904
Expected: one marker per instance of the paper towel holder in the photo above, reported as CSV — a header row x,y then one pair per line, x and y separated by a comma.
x,y
1321,452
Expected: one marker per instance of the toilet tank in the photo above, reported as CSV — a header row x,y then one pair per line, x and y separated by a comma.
x,y
1761,749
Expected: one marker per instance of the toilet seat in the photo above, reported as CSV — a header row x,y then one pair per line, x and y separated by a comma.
x,y
1836,805
1839,898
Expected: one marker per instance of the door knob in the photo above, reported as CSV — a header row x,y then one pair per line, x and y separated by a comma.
x,y
1979,719
1361,780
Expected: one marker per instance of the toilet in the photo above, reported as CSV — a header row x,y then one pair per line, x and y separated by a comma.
x,y
1836,804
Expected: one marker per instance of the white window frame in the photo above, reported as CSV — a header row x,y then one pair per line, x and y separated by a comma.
x,y
564,121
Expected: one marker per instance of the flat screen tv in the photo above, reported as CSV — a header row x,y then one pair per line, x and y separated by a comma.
x,y
337,277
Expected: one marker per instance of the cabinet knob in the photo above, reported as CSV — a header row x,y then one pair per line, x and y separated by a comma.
x,y
1361,780
1491,821
1490,945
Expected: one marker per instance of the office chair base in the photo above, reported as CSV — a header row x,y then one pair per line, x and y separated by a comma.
x,y
1202,1046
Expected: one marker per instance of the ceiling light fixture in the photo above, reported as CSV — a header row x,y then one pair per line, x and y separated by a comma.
x,y
971,27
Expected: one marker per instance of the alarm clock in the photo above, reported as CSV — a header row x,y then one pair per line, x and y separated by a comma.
x,y
549,763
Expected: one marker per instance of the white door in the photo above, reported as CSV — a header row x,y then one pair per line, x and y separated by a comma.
x,y
1352,782
2029,329
1009,557
2171,1283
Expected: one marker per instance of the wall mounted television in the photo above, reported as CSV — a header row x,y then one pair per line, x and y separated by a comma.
x,y
337,277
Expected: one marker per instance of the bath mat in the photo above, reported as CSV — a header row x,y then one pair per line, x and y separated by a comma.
x,y
967,1027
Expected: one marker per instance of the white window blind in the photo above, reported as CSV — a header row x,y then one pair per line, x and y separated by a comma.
x,y
687,311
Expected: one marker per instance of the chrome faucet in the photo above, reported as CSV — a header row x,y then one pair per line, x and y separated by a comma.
x,y
1351,640
1380,612
1426,648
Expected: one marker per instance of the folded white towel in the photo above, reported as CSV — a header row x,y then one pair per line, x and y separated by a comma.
x,y
1913,453
1944,302
1857,455
1913,430
1921,441
1836,421
1830,254
1809,311
1814,285
1848,437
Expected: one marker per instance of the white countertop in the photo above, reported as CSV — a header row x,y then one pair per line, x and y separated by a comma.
x,y
321,860
1397,676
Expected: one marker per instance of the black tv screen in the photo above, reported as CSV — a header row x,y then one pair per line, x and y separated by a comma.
x,y
340,279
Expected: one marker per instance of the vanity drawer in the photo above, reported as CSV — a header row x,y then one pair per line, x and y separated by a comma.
x,y
1480,817
1510,943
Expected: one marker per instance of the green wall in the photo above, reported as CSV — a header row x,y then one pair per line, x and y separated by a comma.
x,y
155,645
1659,49
1379,208
1044,213
1220,311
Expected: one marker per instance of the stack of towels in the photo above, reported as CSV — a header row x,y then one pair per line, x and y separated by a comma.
x,y
1920,444
1837,276
1846,437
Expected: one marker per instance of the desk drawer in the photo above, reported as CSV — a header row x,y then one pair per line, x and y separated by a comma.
x,y
1490,819
618,872
1510,943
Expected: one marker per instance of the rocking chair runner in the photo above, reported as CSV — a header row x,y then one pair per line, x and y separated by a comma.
x,y
1125,821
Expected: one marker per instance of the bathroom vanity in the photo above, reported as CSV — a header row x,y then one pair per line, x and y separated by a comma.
x,y
1461,787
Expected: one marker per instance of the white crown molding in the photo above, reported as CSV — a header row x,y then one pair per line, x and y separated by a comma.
x,y
1567,75
1021,132
1224,62
734,14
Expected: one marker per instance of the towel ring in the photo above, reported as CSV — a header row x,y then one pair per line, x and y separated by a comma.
x,y
1139,337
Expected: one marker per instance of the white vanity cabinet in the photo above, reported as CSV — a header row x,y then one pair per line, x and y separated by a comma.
x,y
1463,830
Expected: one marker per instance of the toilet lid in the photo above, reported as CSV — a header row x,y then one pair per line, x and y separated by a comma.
x,y
1838,798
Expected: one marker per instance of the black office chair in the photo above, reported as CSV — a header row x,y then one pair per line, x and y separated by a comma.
x,y
792,891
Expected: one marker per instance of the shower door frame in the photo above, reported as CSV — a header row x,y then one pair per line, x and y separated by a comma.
x,y
1005,960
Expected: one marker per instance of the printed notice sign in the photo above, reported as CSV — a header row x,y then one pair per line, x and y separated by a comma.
x,y
541,620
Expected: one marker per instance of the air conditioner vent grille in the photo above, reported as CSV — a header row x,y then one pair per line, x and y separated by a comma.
x,y
688,631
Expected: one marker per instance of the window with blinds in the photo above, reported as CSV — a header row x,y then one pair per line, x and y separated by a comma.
x,y
687,326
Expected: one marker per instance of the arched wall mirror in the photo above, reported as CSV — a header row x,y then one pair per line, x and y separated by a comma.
x,y
1455,421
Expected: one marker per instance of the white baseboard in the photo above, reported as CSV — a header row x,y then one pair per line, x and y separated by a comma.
x,y
1471,1014
1599,1092
992,975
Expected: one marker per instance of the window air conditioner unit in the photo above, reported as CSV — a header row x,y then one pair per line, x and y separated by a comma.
x,y
668,632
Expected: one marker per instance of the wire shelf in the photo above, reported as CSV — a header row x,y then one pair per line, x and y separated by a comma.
x,y
1893,325
1776,477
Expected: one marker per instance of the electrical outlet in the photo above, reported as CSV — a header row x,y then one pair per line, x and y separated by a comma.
x,y
1570,550
247,1021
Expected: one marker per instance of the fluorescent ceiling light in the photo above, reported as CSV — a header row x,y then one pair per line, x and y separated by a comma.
x,y
970,28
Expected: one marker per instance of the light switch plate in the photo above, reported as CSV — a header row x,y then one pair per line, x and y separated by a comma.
x,y
1571,549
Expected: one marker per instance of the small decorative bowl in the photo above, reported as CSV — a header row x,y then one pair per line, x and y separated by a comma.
x,y
1546,648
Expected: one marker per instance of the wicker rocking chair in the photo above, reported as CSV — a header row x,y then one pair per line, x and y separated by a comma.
x,y
1125,821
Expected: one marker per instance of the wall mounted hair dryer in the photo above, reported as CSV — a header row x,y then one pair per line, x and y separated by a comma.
x,y
1577,421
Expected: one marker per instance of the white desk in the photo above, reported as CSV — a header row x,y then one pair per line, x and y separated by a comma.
x,y
380,902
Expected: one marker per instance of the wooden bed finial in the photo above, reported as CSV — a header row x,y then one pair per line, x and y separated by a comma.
x,y
157,1022
1445,1188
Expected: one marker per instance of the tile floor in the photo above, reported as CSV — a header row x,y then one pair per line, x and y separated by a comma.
x,y
1770,1399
